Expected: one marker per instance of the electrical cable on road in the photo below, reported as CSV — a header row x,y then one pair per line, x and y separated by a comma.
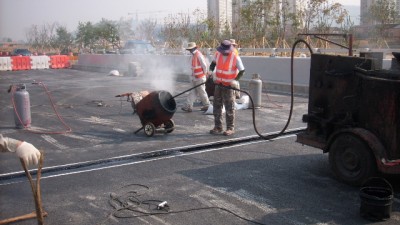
x,y
129,205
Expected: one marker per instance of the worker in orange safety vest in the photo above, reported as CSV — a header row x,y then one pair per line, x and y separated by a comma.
x,y
226,64
199,76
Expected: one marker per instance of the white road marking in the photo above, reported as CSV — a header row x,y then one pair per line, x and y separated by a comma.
x,y
97,120
53,141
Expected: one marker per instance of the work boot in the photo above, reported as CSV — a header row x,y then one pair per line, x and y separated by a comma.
x,y
229,132
204,108
216,130
187,109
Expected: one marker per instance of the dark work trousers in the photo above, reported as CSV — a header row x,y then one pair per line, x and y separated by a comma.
x,y
224,96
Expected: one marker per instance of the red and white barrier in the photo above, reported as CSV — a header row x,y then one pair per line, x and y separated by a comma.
x,y
21,62
5,64
40,62
13,63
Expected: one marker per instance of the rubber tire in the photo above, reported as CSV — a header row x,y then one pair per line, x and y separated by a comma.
x,y
169,126
351,159
149,129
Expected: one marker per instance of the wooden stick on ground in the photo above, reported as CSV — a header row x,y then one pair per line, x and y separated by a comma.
x,y
39,214
22,217
36,190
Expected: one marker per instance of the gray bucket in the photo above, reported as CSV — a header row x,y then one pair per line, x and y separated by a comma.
x,y
376,199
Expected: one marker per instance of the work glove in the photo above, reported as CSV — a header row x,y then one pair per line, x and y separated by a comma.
x,y
27,152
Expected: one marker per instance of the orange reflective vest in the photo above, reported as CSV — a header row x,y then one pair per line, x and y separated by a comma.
x,y
226,70
196,65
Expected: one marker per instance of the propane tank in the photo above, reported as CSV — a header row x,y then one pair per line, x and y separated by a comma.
x,y
255,88
22,110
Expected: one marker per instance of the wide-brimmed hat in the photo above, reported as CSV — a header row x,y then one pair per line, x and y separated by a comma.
x,y
191,45
233,42
225,47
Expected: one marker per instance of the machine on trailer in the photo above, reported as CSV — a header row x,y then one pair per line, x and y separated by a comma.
x,y
354,114
155,112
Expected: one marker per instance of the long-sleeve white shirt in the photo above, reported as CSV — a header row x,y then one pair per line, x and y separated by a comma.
x,y
8,144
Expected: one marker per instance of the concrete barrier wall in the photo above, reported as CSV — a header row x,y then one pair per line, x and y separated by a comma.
x,y
274,71
270,69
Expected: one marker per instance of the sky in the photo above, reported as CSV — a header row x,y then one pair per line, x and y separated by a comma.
x,y
16,16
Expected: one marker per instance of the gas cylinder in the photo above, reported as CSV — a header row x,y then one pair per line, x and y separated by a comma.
x,y
22,110
255,89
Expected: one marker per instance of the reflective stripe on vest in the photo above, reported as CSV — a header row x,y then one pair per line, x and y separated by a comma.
x,y
226,71
196,66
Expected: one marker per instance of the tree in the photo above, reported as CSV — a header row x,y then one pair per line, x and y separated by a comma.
x,y
64,39
147,30
199,31
125,29
107,33
85,36
329,14
383,12
256,19
176,29
40,38
308,14
211,32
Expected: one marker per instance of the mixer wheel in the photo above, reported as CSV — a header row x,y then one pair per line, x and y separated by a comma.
x,y
149,129
169,126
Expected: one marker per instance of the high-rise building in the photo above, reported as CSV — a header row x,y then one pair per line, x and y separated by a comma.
x,y
221,12
364,11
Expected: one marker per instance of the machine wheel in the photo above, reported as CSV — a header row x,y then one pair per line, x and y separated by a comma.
x,y
351,159
149,129
169,126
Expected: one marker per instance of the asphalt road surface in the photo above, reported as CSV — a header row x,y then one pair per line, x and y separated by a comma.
x,y
97,171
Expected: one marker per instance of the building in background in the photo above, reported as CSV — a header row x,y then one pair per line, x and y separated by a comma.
x,y
364,11
221,12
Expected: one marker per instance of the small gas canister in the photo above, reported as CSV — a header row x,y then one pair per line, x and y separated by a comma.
x,y
255,87
22,107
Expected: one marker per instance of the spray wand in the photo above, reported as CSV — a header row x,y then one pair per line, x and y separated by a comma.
x,y
186,91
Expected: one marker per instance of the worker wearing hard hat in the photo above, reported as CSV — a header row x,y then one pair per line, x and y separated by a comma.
x,y
199,72
24,150
226,64
234,44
